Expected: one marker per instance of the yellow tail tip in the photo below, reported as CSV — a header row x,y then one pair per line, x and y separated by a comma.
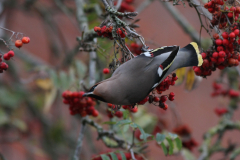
x,y
195,46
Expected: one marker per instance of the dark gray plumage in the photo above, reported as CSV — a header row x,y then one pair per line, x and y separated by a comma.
x,y
136,78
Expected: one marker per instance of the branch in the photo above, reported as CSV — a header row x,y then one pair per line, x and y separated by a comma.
x,y
110,134
144,5
79,141
81,17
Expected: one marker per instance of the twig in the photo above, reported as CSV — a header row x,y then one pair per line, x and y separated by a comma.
x,y
118,4
79,141
110,134
144,5
81,17
182,21
132,154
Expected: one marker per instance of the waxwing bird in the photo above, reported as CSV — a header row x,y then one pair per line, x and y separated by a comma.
x,y
136,78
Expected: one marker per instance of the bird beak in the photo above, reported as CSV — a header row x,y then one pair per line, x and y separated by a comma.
x,y
87,94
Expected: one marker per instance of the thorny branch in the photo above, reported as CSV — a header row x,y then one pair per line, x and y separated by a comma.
x,y
104,133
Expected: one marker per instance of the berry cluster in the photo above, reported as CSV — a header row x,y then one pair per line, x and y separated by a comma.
x,y
110,114
3,65
218,90
225,51
165,84
185,132
107,32
19,43
220,111
79,104
135,48
10,54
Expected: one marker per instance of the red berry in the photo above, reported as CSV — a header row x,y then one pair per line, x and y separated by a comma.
x,y
6,57
215,55
230,15
220,48
156,99
211,10
163,98
204,55
222,54
134,110
119,114
106,71
125,107
233,9
95,113
219,42
172,94
205,63
236,31
97,29
220,60
18,43
25,40
165,106
10,54
232,35
103,29
171,98
225,35
215,36
3,66
225,42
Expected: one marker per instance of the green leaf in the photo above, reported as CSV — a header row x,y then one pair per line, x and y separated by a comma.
x,y
21,125
126,114
133,125
64,79
147,135
54,78
3,117
179,143
160,137
164,149
110,122
105,157
114,156
143,135
170,142
72,77
123,155
125,128
81,68
172,135
110,142
188,155
123,122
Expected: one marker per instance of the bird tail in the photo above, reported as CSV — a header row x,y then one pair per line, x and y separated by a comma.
x,y
189,56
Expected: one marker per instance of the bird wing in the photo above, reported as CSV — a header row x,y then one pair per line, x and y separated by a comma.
x,y
164,67
159,51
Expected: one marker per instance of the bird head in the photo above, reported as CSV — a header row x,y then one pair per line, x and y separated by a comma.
x,y
94,92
